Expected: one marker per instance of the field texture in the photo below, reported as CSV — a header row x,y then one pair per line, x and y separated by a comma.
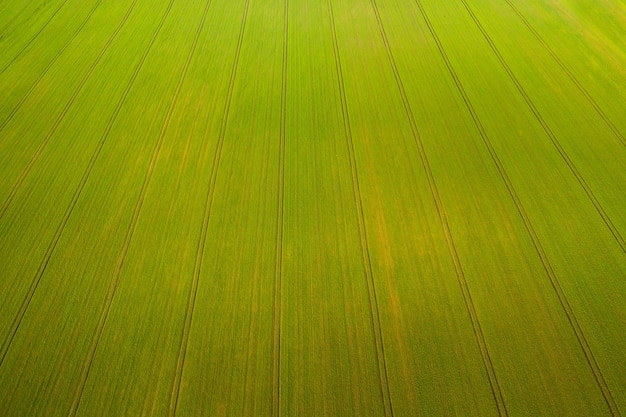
x,y
313,208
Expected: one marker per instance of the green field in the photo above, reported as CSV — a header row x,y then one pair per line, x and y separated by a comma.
x,y
313,208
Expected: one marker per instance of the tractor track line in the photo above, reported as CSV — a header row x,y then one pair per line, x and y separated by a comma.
x,y
18,183
44,263
582,340
443,218
571,76
280,226
173,105
85,370
47,68
579,177
365,254
35,36
180,364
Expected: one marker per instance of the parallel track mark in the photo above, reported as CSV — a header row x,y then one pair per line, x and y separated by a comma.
x,y
47,68
570,164
443,218
569,73
205,224
363,238
32,39
42,266
176,383
18,183
582,340
86,368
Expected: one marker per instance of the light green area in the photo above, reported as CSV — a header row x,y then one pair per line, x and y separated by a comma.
x,y
312,208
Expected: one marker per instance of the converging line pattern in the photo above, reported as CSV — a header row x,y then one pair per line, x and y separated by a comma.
x,y
173,402
45,70
84,375
44,262
517,201
365,253
18,182
597,372
570,164
376,244
180,366
569,73
443,218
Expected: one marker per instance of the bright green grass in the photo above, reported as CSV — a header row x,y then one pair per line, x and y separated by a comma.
x,y
304,207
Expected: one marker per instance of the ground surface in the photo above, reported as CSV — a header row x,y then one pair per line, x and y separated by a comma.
x,y
312,207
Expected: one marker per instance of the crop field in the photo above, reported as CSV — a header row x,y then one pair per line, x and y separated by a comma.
x,y
313,208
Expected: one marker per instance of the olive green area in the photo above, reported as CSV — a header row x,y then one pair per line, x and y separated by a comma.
x,y
312,208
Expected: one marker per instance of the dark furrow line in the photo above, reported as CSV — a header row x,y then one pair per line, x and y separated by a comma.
x,y
443,218
18,183
47,68
504,176
104,314
7,25
180,364
16,14
579,177
582,340
176,383
280,225
44,263
571,76
381,362
482,344
35,36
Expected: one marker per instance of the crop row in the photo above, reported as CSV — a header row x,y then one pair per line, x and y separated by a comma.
x,y
312,208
